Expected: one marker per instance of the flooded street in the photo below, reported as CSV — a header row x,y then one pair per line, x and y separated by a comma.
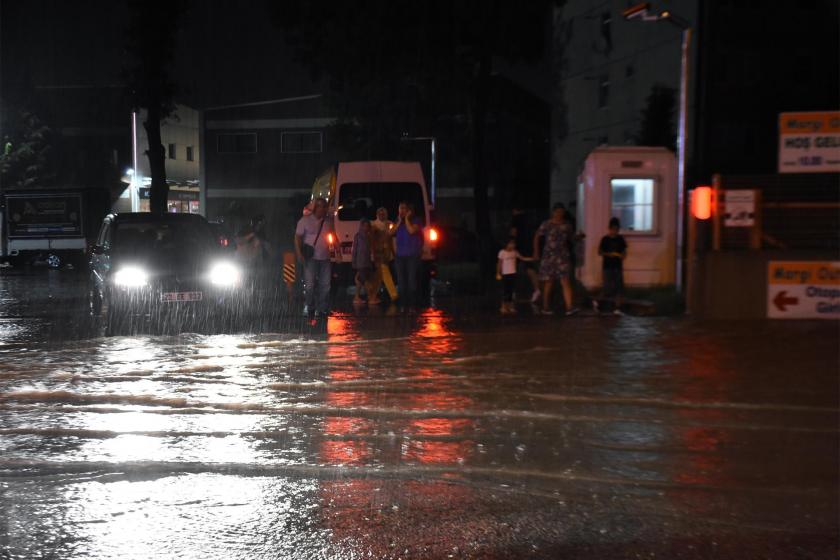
x,y
452,434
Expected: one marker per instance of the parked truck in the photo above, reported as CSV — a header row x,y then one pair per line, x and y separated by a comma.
x,y
49,226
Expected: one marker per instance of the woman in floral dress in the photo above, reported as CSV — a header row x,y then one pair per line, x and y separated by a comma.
x,y
556,262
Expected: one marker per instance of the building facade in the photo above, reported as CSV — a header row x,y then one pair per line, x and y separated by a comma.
x,y
260,159
605,70
179,135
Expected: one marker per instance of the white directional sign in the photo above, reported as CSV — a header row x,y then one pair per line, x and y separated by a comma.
x,y
803,290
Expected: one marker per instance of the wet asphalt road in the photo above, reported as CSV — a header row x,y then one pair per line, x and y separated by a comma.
x,y
452,434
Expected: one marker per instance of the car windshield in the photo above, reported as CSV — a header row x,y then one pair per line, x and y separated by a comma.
x,y
361,200
162,237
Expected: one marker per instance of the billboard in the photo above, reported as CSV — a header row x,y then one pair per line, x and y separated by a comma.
x,y
44,215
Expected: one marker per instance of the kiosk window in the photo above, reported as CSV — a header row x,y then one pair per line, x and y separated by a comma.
x,y
634,203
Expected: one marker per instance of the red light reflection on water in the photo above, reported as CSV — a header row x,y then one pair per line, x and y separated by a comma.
x,y
347,425
434,337
343,452
423,448
705,374
338,329
364,511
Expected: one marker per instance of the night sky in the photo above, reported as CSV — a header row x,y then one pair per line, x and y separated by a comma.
x,y
226,53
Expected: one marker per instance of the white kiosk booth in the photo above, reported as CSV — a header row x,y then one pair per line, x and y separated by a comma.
x,y
638,185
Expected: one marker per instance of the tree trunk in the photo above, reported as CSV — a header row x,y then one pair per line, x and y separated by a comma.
x,y
159,193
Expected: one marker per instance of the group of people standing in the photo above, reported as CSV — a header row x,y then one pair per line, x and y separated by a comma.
x,y
377,245
548,256
545,255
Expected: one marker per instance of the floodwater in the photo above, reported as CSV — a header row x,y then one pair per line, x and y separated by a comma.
x,y
452,434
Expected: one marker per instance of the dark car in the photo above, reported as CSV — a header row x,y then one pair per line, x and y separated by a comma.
x,y
163,268
223,236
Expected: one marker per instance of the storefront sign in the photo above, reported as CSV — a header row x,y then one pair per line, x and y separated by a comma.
x,y
809,142
803,290
739,208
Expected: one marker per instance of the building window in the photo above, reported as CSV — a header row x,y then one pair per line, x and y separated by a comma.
x,y
190,156
301,142
633,202
171,151
603,92
629,71
606,31
243,143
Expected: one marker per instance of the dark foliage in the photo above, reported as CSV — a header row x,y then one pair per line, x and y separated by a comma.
x,y
25,161
658,127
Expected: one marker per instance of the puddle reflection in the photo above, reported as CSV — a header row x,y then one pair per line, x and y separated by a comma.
x,y
360,513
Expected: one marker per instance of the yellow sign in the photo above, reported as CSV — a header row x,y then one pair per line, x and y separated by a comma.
x,y
804,272
803,290
809,142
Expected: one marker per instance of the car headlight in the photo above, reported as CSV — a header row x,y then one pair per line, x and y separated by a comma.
x,y
131,277
225,274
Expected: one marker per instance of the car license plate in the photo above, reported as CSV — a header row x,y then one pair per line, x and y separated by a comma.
x,y
169,297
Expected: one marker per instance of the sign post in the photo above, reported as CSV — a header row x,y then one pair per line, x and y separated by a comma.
x,y
803,290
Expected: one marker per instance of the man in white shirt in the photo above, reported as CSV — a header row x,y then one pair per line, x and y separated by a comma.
x,y
312,247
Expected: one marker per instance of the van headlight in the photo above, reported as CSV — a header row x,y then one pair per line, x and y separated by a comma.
x,y
225,274
131,277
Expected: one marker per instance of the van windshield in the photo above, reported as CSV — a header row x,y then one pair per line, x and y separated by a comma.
x,y
360,200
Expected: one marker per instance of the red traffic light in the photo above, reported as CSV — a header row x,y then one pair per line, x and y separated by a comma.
x,y
701,203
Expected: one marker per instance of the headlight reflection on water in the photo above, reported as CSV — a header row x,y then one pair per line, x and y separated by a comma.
x,y
196,516
177,399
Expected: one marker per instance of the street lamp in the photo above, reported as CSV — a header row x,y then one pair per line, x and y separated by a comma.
x,y
641,11
432,140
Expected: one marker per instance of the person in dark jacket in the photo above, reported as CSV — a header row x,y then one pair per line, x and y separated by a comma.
x,y
613,249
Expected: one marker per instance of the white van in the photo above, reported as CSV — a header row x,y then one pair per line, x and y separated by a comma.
x,y
356,189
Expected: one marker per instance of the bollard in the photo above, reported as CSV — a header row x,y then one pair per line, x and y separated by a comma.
x,y
289,272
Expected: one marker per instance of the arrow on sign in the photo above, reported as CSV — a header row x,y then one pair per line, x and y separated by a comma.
x,y
781,300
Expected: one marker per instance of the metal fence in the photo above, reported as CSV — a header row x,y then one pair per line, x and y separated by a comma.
x,y
796,211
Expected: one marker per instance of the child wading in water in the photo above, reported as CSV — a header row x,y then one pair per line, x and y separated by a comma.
x,y
613,249
506,272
